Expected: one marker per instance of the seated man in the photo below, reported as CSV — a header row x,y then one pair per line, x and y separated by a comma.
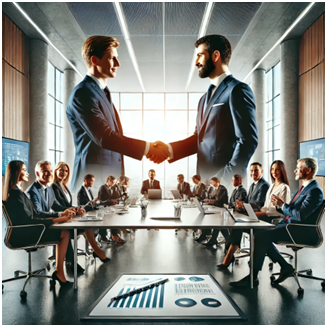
x,y
122,185
199,188
85,194
44,200
304,208
239,193
183,187
219,197
150,183
108,195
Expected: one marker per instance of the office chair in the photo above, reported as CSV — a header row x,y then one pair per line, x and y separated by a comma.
x,y
19,274
315,231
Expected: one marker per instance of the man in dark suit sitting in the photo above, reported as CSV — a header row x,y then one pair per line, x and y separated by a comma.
x,y
183,187
257,191
150,183
85,194
239,193
44,200
303,209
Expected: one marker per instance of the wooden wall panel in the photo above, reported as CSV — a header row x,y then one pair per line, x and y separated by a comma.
x,y
15,82
312,84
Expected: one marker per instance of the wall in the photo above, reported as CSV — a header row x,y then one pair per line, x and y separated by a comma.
x,y
15,82
312,85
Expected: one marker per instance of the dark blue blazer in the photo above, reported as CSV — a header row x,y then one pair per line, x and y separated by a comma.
x,y
258,196
226,137
305,209
36,195
239,194
98,134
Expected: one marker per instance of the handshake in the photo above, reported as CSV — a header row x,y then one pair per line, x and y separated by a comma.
x,y
158,152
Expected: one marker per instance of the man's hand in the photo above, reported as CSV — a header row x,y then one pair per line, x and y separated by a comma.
x,y
239,205
95,200
277,201
81,211
158,152
62,219
69,213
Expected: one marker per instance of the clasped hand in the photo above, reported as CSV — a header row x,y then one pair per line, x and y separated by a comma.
x,y
158,152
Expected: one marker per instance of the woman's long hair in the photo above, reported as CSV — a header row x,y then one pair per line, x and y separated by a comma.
x,y
59,165
12,174
282,170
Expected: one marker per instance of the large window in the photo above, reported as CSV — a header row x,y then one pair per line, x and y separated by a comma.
x,y
273,115
158,116
55,114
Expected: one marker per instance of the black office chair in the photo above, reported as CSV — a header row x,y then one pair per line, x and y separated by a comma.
x,y
20,274
315,233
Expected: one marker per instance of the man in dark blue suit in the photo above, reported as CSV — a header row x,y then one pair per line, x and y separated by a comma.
x,y
98,135
225,136
303,209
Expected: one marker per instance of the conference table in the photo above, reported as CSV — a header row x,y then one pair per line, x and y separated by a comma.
x,y
160,214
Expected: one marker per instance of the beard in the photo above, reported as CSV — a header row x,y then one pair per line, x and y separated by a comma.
x,y
207,69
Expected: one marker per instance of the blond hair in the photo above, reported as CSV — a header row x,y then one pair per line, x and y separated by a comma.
x,y
97,45
59,165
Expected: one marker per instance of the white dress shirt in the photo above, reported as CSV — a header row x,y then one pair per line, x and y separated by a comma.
x,y
87,192
102,86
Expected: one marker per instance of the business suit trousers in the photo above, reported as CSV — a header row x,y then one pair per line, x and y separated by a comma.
x,y
103,232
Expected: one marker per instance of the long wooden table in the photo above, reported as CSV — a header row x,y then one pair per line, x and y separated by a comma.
x,y
160,215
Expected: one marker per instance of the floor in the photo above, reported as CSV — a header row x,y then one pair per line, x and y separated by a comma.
x,y
161,251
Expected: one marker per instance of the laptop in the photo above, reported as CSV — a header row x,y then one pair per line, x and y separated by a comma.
x,y
154,194
176,194
239,218
90,217
206,211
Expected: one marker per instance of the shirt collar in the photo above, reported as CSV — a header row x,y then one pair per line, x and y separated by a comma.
x,y
43,187
305,184
96,80
255,183
87,188
217,80
19,187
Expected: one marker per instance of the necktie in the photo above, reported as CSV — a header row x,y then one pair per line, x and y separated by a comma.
x,y
209,93
152,184
250,192
107,93
91,195
46,198
295,197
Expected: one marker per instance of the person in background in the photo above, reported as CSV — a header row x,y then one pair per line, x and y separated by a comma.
x,y
85,194
199,188
122,185
108,195
150,183
183,187
21,212
239,193
303,209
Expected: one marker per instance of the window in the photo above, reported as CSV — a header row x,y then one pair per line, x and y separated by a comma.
x,y
273,115
55,114
142,115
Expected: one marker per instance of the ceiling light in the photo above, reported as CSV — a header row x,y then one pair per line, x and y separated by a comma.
x,y
45,37
203,29
127,38
304,12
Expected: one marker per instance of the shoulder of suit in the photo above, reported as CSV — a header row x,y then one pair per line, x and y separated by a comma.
x,y
35,185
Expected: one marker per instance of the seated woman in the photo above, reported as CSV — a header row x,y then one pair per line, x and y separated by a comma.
x,y
199,188
21,212
108,195
279,187
63,196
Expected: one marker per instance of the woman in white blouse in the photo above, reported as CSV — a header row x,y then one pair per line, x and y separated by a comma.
x,y
279,187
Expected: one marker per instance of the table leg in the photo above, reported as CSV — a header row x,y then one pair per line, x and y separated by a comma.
x,y
251,257
75,258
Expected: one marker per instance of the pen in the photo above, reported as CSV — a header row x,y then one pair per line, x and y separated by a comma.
x,y
139,290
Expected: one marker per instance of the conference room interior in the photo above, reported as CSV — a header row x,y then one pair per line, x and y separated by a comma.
x,y
278,48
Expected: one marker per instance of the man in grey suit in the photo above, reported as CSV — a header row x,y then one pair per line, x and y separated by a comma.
x,y
225,136
239,193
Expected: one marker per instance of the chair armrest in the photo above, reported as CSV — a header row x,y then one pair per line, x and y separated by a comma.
x,y
275,221
29,226
306,226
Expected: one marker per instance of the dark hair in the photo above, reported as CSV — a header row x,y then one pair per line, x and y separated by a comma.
x,y
215,179
198,177
88,176
256,164
11,177
180,175
238,177
217,42
282,170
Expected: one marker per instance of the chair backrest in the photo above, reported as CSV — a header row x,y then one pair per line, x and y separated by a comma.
x,y
8,225
318,224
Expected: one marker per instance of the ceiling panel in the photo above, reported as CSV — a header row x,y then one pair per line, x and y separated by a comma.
x,y
180,49
148,48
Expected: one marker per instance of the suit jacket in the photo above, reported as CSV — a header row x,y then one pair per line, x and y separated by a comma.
x,y
83,199
257,193
185,190
226,137
146,186
105,195
238,194
199,191
36,195
98,134
221,196
60,195
21,212
306,207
